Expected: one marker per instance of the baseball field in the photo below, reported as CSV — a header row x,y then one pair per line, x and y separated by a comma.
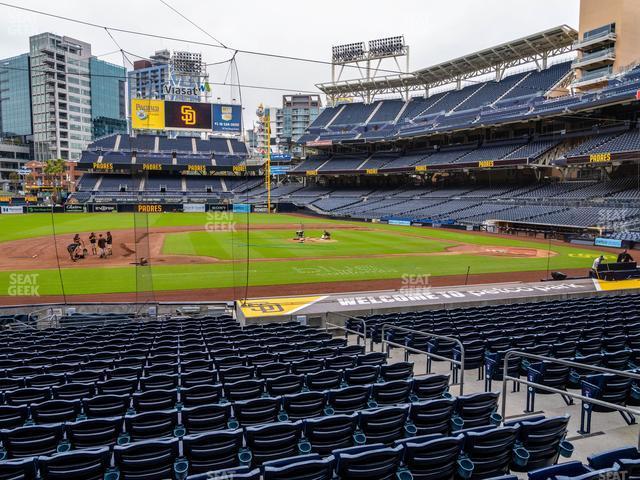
x,y
195,256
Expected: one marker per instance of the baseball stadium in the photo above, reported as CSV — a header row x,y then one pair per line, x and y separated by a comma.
x,y
437,280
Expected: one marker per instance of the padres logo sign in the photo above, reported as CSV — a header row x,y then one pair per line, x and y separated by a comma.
x,y
188,115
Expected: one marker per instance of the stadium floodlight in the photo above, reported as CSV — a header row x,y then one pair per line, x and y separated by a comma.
x,y
349,52
386,46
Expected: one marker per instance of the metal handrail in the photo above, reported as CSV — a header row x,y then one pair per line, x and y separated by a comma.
x,y
507,378
348,330
459,363
364,328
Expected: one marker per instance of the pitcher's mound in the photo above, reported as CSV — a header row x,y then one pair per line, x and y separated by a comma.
x,y
311,240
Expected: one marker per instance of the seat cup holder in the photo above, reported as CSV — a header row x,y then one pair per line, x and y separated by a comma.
x,y
63,446
179,431
245,457
233,423
410,429
566,449
447,395
123,439
521,456
456,423
283,417
496,418
372,404
359,438
328,411
465,468
635,392
404,475
304,447
111,475
413,398
180,468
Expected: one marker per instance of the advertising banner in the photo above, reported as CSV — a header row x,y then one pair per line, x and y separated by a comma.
x,y
105,208
227,118
241,208
194,207
218,207
149,208
12,209
74,207
187,115
38,209
147,114
608,242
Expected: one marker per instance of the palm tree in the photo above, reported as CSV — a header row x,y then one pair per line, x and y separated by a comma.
x,y
53,170
14,181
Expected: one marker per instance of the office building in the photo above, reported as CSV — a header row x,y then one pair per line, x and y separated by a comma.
x,y
296,114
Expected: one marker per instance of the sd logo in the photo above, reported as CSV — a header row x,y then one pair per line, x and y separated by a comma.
x,y
188,115
265,307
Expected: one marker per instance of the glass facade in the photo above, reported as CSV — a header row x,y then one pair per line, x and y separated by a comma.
x,y
15,96
108,101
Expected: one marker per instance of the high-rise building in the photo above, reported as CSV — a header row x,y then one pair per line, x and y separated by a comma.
x,y
108,98
296,114
61,96
170,76
15,96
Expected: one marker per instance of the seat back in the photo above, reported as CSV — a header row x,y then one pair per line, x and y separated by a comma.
x,y
476,409
106,406
150,459
324,380
326,434
491,450
273,441
432,457
542,439
56,411
432,416
205,418
31,441
284,384
303,467
257,411
94,432
430,387
391,392
213,451
200,395
77,465
349,399
371,461
384,425
149,425
304,405
362,375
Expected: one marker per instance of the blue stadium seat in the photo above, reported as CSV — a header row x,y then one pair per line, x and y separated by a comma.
x,y
19,469
94,432
333,432
153,400
151,425
56,411
13,416
206,418
391,392
384,425
430,387
491,450
284,385
106,406
148,460
606,387
89,464
240,473
243,390
257,411
273,441
433,416
625,460
31,441
370,461
304,405
476,409
211,451
362,375
303,467
432,457
324,380
349,399
200,395
542,438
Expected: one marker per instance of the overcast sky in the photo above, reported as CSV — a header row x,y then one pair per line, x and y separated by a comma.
x,y
435,30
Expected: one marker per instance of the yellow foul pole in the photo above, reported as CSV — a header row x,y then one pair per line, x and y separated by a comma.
x,y
267,170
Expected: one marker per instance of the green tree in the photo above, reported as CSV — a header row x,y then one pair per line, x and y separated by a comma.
x,y
53,171
14,181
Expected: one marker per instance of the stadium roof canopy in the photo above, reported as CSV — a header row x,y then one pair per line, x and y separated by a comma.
x,y
533,48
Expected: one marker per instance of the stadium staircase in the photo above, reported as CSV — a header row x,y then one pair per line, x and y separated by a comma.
x,y
513,87
340,110
372,114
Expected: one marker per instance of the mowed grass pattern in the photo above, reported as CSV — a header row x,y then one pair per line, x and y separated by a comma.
x,y
367,249
277,244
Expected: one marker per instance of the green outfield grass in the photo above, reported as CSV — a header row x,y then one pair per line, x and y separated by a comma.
x,y
273,244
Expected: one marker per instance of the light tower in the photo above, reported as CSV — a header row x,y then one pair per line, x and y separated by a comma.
x,y
264,128
370,60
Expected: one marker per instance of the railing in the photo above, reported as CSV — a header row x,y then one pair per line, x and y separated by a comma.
x,y
458,363
594,401
362,334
